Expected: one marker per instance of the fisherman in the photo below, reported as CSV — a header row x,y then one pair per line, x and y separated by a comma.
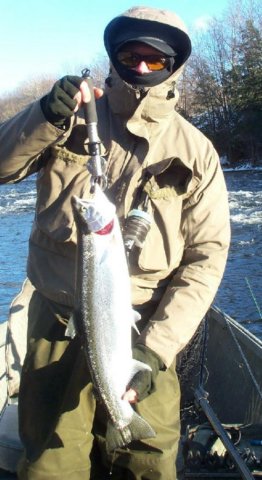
x,y
156,162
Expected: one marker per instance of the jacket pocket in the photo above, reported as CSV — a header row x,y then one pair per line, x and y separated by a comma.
x,y
163,247
166,188
64,175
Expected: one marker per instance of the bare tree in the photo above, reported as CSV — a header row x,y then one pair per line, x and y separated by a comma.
x,y
214,72
26,93
37,87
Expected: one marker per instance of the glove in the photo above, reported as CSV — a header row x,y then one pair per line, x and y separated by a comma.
x,y
59,105
144,382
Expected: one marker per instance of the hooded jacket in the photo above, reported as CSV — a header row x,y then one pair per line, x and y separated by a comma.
x,y
148,147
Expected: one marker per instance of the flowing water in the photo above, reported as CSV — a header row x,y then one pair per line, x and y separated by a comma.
x,y
240,292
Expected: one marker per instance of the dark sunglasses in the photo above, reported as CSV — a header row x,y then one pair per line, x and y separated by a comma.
x,y
154,62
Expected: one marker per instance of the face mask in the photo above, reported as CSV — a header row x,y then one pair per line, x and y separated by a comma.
x,y
150,79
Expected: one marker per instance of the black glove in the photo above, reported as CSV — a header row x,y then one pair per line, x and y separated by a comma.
x,y
144,382
58,105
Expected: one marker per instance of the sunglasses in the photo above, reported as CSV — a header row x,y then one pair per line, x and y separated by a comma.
x,y
154,62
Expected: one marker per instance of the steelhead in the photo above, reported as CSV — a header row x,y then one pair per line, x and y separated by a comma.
x,y
103,315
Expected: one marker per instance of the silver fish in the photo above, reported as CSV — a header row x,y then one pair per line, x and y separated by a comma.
x,y
103,315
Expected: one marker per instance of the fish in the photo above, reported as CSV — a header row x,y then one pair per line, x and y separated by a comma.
x,y
103,315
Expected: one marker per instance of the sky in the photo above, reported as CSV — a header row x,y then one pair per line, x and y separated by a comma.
x,y
50,37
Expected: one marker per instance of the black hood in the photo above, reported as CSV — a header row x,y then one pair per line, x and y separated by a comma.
x,y
124,29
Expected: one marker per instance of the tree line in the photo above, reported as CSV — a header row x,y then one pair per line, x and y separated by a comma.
x,y
220,88
222,85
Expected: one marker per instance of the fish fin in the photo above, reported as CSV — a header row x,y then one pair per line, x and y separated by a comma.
x,y
136,367
70,329
135,328
136,318
137,429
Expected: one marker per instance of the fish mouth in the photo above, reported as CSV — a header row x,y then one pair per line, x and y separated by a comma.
x,y
98,213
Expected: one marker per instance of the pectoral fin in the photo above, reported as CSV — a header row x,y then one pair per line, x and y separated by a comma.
x,y
136,318
70,329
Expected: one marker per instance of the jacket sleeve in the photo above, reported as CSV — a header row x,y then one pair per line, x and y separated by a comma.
x,y
23,139
206,231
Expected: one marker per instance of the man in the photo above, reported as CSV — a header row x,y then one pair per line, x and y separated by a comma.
x,y
157,161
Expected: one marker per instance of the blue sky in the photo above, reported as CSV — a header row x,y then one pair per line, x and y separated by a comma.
x,y
39,37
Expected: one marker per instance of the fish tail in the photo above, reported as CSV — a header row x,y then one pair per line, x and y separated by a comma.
x,y
137,429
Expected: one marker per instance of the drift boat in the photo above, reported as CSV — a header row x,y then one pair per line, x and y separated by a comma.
x,y
221,406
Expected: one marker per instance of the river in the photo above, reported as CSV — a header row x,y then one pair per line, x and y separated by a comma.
x,y
240,291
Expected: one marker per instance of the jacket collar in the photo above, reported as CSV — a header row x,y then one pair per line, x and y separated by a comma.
x,y
134,105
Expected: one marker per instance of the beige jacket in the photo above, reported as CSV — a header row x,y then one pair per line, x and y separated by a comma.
x,y
176,275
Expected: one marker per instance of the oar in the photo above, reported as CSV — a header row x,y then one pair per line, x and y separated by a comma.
x,y
201,396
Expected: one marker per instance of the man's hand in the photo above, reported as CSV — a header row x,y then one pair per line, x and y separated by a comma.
x,y
65,98
143,383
